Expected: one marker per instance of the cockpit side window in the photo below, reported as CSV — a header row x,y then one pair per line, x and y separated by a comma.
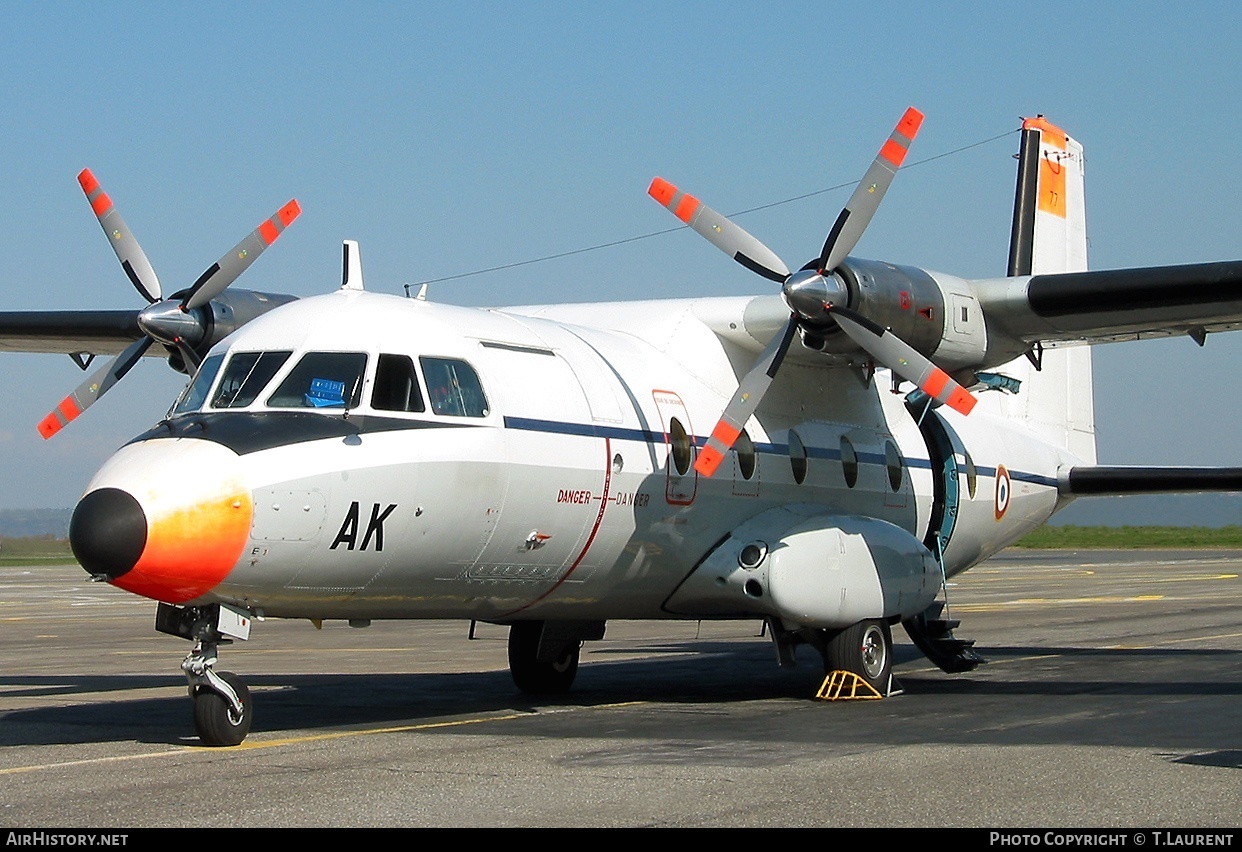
x,y
322,380
453,387
195,393
396,385
245,376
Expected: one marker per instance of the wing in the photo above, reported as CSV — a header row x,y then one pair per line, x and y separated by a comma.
x,y
70,332
1109,305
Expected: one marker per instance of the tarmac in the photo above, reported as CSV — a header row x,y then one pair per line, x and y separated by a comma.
x,y
1111,699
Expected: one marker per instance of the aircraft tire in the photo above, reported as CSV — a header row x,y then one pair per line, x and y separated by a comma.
x,y
213,717
533,676
866,649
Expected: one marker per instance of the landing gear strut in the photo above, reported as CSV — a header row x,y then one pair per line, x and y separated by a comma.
x,y
863,651
223,709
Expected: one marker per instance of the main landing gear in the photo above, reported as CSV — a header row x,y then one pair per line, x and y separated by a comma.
x,y
864,651
543,655
223,709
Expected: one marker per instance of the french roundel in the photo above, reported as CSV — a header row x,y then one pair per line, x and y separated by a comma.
x,y
1003,488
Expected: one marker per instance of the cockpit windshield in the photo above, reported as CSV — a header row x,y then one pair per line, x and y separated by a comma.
x,y
333,380
322,380
195,393
245,376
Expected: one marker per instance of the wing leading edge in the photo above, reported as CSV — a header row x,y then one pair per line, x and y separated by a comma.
x,y
70,332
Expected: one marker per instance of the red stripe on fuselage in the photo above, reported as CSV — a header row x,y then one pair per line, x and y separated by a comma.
x,y
599,519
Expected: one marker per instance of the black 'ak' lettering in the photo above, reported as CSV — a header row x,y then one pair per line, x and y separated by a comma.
x,y
348,534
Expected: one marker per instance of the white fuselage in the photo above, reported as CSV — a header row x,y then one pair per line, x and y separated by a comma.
x,y
567,495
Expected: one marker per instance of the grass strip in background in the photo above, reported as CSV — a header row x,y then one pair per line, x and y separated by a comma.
x,y
35,550
1125,538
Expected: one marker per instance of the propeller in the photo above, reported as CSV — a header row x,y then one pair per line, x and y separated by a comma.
x,y
814,294
176,322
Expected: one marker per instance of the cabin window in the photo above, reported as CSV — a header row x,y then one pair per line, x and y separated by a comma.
x,y
195,393
322,380
453,387
797,457
246,375
679,446
849,462
396,385
892,461
745,455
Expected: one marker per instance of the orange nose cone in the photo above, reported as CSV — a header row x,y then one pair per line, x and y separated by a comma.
x,y
191,549
165,518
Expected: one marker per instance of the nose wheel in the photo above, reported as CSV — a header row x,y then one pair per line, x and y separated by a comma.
x,y
223,708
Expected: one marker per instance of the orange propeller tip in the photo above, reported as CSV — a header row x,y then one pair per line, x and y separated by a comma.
x,y
661,190
86,179
910,122
49,426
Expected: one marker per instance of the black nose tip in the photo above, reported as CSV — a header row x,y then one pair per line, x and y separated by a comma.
x,y
108,532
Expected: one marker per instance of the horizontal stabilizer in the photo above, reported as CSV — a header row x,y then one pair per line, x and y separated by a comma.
x,y
1117,480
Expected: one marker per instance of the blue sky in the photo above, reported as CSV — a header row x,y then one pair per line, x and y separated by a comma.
x,y
451,139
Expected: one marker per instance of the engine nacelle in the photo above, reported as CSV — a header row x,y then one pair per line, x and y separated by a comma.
x,y
812,569
204,327
938,315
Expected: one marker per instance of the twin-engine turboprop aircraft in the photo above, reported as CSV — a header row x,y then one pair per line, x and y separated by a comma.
x,y
362,456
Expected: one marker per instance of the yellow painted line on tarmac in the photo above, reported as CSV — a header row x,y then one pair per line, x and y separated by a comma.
x,y
253,745
1004,605
1181,641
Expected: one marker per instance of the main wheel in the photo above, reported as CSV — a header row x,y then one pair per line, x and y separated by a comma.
x,y
866,649
533,676
214,719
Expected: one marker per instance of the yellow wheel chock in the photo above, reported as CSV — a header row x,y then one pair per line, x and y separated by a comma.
x,y
847,686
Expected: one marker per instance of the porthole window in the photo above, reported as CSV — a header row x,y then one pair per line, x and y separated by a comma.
x,y
892,461
849,462
972,476
679,444
745,455
797,457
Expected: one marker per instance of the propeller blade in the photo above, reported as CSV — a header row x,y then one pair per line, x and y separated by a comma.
x,y
133,261
725,235
744,402
93,388
862,205
893,352
225,271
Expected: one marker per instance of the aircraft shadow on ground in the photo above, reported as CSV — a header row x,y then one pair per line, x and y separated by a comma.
x,y
729,674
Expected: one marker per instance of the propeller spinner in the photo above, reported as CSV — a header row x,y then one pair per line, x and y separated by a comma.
x,y
173,322
814,293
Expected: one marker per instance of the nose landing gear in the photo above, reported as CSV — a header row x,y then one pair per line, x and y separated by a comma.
x,y
223,709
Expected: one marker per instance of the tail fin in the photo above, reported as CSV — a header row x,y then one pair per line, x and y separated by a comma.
x,y
1049,213
1050,235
